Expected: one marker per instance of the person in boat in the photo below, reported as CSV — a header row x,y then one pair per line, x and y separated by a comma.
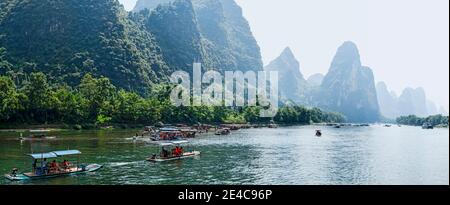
x,y
65,165
177,151
44,166
14,172
164,152
34,165
54,167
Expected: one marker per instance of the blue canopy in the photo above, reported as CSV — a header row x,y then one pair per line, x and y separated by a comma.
x,y
66,152
54,154
43,155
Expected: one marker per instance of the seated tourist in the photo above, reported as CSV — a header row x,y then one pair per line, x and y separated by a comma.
x,y
54,167
65,165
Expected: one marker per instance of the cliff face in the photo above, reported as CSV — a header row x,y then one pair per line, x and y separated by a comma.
x,y
315,80
387,101
349,87
292,85
176,31
413,102
226,39
149,4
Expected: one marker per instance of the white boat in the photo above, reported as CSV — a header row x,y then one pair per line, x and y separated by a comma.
x,y
168,152
37,135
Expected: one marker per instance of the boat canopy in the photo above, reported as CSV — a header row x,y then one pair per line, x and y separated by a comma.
x,y
67,152
169,129
165,144
180,142
174,143
43,155
54,154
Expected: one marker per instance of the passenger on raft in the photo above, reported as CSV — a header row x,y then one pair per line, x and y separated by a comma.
x,y
54,167
65,165
178,151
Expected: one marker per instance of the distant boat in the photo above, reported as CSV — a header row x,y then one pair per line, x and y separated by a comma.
x,y
223,131
37,135
387,125
337,126
427,126
319,133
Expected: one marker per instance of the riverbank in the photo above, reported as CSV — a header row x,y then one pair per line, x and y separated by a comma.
x,y
65,127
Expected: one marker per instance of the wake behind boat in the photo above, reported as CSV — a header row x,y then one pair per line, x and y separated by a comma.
x,y
53,169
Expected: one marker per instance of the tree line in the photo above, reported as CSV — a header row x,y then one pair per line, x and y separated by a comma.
x,y
419,121
97,102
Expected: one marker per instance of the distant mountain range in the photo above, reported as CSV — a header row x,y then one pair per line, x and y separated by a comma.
x,y
347,88
410,102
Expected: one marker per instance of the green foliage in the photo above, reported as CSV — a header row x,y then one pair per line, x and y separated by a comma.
x,y
5,66
68,39
176,31
418,121
9,99
95,101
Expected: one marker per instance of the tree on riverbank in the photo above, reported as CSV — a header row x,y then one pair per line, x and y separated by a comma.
x,y
417,121
98,102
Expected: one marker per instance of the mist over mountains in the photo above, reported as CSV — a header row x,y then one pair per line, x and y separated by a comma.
x,y
68,39
412,101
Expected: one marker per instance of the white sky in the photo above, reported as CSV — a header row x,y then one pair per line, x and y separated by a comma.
x,y
405,42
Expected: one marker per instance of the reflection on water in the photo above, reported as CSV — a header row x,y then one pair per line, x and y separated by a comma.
x,y
288,155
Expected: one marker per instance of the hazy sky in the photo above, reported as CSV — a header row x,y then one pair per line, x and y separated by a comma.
x,y
405,42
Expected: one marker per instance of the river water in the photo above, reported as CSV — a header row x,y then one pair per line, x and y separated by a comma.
x,y
283,156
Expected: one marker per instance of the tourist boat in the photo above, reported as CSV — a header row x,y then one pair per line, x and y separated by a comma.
x,y
168,152
37,135
168,134
319,133
188,132
223,131
41,170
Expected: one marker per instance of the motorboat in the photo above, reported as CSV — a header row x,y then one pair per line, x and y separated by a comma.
x,y
176,150
41,169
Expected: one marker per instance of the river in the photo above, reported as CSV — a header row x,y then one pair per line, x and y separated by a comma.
x,y
284,156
